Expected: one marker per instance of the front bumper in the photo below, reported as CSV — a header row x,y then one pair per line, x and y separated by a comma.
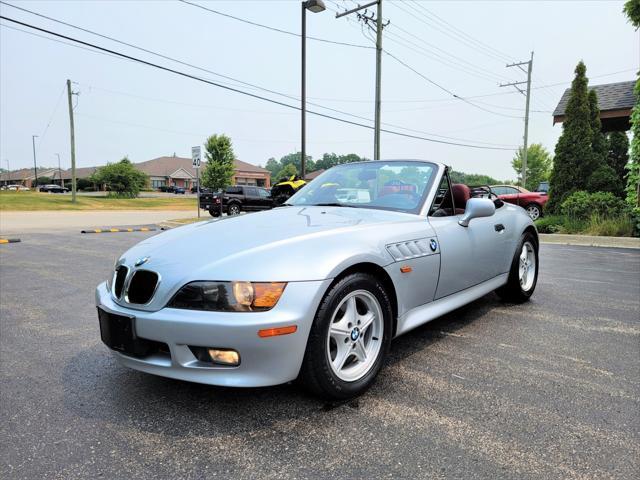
x,y
263,361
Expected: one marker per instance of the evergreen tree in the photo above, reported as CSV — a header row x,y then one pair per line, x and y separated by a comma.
x,y
618,153
598,158
574,145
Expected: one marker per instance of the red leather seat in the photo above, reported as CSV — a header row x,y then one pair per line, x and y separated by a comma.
x,y
461,193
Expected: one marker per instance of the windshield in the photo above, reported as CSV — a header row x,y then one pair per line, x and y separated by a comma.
x,y
397,185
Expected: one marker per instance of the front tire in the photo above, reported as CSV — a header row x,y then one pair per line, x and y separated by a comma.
x,y
523,275
349,338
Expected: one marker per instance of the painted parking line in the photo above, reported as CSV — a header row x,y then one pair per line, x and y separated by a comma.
x,y
10,240
117,230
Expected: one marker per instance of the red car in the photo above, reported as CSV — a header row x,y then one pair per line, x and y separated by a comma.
x,y
532,202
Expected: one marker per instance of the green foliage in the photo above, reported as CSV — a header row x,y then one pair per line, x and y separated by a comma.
x,y
618,153
574,145
84,184
604,179
633,177
582,205
539,163
473,178
327,161
632,11
599,147
218,172
44,180
122,179
550,224
616,226
285,172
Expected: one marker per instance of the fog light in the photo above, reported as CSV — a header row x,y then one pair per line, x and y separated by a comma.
x,y
224,357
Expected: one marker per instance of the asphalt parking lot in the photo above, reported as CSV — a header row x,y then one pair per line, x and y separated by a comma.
x,y
549,389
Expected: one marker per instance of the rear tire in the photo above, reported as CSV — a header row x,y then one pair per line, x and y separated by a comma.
x,y
214,212
349,338
523,275
233,209
534,211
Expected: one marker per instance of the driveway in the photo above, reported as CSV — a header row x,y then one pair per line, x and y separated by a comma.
x,y
545,390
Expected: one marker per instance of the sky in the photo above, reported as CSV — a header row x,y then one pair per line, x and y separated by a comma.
x,y
446,49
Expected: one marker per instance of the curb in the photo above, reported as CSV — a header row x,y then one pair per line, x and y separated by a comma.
x,y
116,230
10,240
589,240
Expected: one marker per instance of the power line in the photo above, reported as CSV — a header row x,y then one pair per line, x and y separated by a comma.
x,y
55,109
236,90
274,29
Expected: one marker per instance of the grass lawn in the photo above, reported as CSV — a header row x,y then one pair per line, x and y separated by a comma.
x,y
29,201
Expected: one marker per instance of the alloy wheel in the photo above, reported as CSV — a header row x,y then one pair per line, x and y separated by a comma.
x,y
355,335
527,267
533,211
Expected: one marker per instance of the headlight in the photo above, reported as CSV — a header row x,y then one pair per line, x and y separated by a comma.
x,y
228,296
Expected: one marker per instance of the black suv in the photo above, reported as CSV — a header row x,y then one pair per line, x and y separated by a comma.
x,y
237,199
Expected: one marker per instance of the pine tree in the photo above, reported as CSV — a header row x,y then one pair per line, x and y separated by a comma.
x,y
574,145
618,154
598,139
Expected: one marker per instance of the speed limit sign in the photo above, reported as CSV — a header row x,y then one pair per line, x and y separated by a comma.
x,y
196,155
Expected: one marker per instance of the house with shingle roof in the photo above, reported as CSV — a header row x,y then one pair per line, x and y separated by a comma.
x,y
162,172
615,101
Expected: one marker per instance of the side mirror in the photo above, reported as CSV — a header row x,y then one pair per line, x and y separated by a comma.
x,y
476,208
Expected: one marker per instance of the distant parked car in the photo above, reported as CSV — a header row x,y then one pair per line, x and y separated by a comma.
x,y
543,187
18,188
532,202
179,190
236,199
53,189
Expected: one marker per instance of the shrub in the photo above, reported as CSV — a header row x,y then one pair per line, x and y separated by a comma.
x,y
605,179
582,205
122,179
621,226
550,224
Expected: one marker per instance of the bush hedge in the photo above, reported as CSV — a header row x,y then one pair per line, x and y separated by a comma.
x,y
582,205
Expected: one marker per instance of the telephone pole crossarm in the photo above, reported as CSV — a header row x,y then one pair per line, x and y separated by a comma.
x,y
353,10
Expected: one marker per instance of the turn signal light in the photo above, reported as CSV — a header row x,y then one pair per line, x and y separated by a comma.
x,y
274,332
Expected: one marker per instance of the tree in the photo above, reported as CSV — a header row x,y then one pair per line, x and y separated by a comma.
x,y
218,172
605,179
285,172
539,163
633,177
618,153
331,160
599,148
273,166
473,179
632,10
574,144
122,179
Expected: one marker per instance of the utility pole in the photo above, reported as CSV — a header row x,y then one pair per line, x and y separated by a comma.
x,y
35,165
378,28
60,171
73,142
526,113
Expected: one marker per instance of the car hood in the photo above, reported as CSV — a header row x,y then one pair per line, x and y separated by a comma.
x,y
283,244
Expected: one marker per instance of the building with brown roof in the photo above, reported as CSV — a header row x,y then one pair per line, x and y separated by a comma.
x,y
162,171
615,101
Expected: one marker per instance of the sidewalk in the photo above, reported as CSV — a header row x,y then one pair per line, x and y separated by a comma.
x,y
12,223
590,241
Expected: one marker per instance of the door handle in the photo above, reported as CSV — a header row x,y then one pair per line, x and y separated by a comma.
x,y
499,227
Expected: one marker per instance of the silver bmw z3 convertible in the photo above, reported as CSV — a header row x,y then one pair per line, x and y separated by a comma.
x,y
316,289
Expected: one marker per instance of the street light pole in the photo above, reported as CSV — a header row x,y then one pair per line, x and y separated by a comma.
x,y
60,171
35,165
314,6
